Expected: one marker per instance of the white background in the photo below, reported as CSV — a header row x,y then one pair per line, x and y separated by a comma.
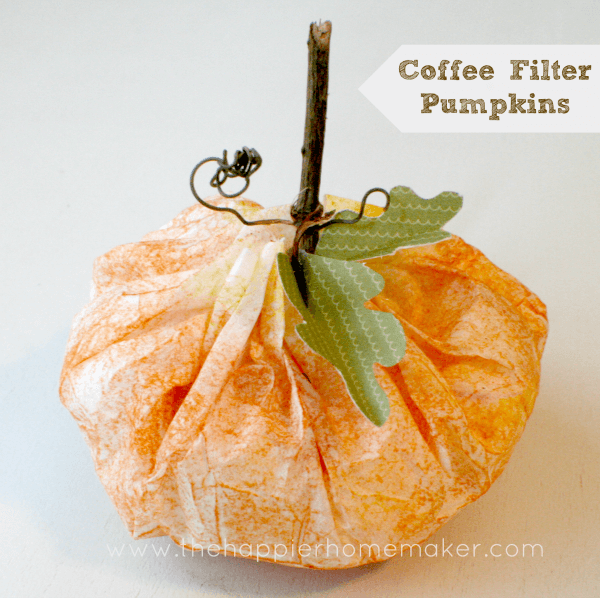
x,y
104,109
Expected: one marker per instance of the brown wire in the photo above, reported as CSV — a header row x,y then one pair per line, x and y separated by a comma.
x,y
320,225
246,162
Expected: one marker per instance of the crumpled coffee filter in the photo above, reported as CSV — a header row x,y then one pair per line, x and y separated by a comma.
x,y
211,421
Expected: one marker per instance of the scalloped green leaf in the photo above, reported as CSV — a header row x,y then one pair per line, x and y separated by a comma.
x,y
408,221
341,329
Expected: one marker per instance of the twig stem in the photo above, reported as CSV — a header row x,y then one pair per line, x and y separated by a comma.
x,y
308,205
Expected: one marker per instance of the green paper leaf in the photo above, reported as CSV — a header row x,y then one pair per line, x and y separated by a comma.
x,y
408,221
341,329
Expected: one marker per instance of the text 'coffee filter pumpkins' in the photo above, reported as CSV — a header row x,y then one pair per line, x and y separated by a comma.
x,y
213,419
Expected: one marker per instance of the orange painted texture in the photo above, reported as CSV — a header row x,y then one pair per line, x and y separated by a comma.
x,y
211,421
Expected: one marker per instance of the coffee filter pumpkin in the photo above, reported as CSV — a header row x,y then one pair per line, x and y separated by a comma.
x,y
211,420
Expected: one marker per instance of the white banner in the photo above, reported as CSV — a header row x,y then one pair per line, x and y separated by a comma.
x,y
489,89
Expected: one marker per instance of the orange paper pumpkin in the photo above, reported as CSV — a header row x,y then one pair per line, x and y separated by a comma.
x,y
211,421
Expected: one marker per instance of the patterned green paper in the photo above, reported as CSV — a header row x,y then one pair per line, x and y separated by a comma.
x,y
409,221
338,326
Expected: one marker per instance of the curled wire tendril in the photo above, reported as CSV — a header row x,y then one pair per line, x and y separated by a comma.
x,y
327,219
245,163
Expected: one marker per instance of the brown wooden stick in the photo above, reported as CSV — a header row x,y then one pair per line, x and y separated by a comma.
x,y
314,127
